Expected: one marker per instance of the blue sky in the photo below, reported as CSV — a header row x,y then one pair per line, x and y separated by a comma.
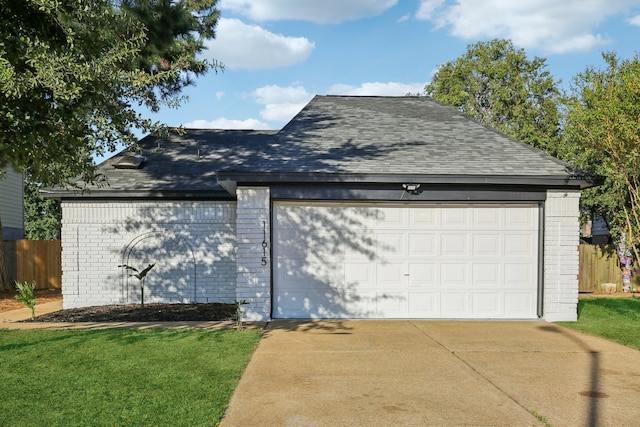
x,y
280,53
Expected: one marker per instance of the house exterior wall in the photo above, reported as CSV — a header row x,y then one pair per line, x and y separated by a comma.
x,y
192,244
12,205
561,259
208,251
253,257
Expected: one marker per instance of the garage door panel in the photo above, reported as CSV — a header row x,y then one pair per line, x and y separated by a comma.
x,y
423,245
390,275
453,276
359,274
521,218
486,275
454,245
422,274
405,261
519,245
359,250
486,305
486,245
296,274
389,218
424,305
391,304
455,218
320,304
484,219
290,272
519,275
391,245
423,218
289,245
454,305
515,304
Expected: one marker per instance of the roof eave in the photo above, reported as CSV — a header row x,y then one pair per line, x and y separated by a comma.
x,y
135,194
549,181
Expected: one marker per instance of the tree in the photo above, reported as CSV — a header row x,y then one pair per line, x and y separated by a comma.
x,y
42,216
72,73
499,86
603,136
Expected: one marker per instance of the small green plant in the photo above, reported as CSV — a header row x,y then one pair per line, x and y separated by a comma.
x,y
140,275
239,305
540,418
26,296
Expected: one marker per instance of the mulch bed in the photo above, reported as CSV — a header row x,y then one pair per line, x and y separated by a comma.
x,y
149,313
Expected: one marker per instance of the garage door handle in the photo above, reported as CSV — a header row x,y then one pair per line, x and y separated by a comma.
x,y
407,274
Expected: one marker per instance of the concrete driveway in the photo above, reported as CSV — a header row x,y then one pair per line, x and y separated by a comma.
x,y
440,373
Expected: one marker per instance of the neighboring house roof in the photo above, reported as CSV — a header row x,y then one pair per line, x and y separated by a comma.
x,y
342,139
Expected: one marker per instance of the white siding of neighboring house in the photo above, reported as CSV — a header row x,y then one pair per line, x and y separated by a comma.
x,y
12,205
192,243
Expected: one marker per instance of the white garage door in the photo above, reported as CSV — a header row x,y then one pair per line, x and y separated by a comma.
x,y
405,261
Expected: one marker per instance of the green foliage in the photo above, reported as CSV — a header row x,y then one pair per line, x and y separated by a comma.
x,y
603,136
238,305
42,217
151,377
72,71
616,319
26,296
499,86
140,275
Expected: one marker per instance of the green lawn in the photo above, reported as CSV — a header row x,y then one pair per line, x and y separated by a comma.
x,y
119,377
617,319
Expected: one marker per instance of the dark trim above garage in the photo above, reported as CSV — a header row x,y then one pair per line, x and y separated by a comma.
x,y
395,193
138,195
261,178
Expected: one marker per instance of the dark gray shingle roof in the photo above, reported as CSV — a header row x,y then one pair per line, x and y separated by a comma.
x,y
340,139
400,135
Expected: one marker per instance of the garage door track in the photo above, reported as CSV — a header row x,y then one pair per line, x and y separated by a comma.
x,y
441,373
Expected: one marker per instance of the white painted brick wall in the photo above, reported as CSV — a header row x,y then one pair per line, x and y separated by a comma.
x,y
253,282
561,260
193,244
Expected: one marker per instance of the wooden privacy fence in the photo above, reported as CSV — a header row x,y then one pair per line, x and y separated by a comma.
x,y
599,264
35,261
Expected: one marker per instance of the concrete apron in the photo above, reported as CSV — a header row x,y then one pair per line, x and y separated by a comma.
x,y
441,373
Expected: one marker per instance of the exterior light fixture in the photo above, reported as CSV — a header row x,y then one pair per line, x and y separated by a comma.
x,y
411,188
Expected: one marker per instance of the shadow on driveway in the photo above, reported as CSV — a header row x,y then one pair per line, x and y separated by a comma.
x,y
435,373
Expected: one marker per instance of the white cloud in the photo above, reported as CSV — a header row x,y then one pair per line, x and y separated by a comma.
x,y
550,25
238,45
377,89
224,123
281,103
326,11
220,95
635,20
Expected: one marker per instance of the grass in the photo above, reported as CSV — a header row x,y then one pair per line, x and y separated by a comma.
x,y
540,418
119,377
616,319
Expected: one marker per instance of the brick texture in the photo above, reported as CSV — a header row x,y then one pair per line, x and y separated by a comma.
x,y
253,272
561,261
192,244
